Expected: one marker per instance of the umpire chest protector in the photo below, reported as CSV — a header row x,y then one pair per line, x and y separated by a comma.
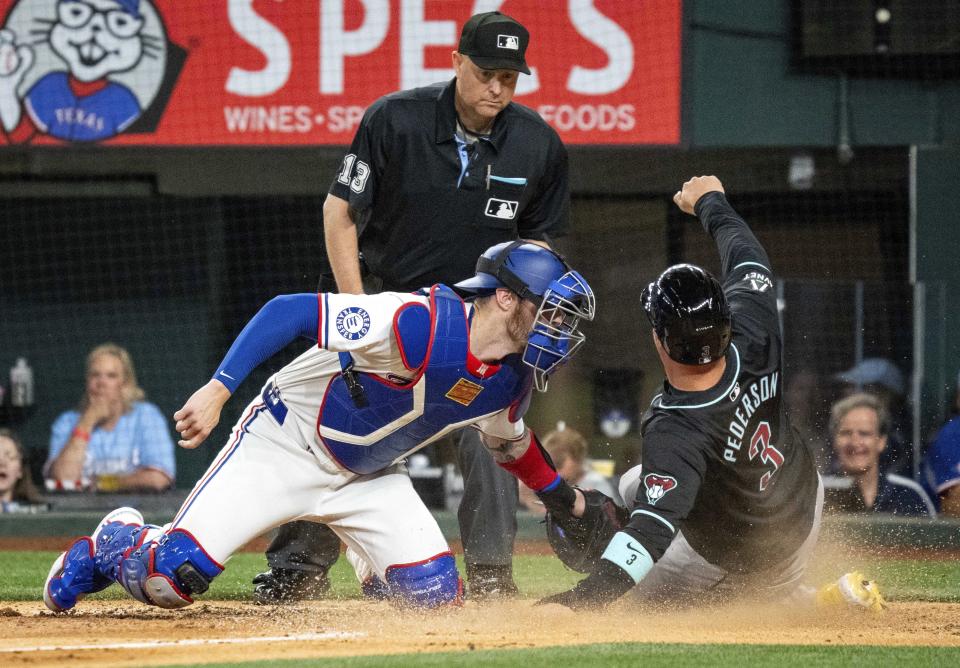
x,y
397,420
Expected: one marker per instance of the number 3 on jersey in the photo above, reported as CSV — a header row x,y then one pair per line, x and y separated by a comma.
x,y
760,445
359,180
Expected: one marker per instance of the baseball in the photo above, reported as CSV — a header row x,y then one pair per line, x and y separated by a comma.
x,y
9,59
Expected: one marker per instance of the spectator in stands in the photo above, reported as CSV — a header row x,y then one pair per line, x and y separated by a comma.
x,y
941,468
16,488
883,379
568,450
114,441
859,425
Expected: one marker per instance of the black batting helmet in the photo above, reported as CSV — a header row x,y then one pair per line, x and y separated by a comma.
x,y
689,313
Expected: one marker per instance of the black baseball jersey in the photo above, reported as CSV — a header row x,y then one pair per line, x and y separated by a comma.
x,y
428,206
723,465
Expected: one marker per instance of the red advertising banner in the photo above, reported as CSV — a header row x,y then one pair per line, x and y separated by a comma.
x,y
300,72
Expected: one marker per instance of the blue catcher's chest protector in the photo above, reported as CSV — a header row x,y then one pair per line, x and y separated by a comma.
x,y
397,420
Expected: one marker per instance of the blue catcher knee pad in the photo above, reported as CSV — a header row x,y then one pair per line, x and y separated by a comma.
x,y
166,572
428,584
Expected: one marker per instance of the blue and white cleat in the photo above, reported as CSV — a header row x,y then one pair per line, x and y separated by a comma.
x,y
73,574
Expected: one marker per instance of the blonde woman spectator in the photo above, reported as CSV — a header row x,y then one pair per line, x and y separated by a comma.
x,y
114,440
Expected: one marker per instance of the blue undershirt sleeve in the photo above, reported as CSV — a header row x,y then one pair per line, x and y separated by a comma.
x,y
281,320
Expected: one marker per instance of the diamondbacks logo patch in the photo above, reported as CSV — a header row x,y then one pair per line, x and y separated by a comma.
x,y
501,208
657,486
353,323
464,392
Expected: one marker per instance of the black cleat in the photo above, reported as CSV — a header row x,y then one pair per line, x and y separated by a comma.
x,y
489,583
192,579
284,585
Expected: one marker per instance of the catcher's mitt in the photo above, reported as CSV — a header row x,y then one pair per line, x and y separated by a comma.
x,y
580,541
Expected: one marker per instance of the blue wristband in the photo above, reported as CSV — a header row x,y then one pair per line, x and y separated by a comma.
x,y
624,551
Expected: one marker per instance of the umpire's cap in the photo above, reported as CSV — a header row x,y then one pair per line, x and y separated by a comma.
x,y
689,313
494,41
525,268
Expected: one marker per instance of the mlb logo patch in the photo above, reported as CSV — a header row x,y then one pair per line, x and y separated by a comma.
x,y
735,392
501,208
508,42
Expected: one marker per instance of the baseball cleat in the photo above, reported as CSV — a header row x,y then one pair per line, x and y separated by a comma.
x,y
286,585
852,590
490,582
374,588
73,574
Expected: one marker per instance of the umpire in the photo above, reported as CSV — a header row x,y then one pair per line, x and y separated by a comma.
x,y
434,176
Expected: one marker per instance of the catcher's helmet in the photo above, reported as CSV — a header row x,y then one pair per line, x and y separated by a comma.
x,y
525,268
542,277
689,313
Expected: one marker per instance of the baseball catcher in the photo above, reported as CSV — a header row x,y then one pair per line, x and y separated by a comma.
x,y
327,436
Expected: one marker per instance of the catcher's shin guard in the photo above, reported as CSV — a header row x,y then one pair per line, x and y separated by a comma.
x,y
427,584
74,574
165,572
72,577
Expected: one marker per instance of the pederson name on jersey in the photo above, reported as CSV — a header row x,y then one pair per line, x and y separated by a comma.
x,y
757,393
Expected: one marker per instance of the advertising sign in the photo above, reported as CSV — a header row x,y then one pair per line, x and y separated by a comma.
x,y
301,72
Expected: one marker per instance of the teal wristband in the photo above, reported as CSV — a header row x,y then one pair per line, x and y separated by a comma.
x,y
624,551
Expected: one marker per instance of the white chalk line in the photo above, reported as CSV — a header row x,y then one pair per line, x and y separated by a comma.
x,y
148,644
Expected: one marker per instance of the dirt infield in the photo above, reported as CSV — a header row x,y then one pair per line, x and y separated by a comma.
x,y
110,633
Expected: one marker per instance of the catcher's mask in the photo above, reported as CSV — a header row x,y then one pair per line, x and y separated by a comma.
x,y
689,313
542,277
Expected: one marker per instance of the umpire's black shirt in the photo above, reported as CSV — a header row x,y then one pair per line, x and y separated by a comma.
x,y
423,218
723,465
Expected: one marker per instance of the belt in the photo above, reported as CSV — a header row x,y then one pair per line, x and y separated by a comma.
x,y
271,397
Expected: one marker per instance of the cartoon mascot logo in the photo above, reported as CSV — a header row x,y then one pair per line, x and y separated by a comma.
x,y
84,70
657,486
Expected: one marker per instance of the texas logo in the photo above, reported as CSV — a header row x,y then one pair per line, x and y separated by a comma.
x,y
84,70
657,486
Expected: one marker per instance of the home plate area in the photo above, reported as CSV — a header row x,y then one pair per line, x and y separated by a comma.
x,y
108,633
